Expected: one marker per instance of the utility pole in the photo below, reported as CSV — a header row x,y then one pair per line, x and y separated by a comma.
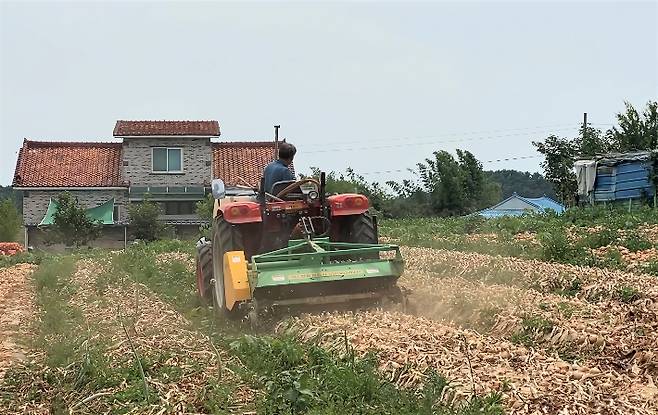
x,y
584,126
276,142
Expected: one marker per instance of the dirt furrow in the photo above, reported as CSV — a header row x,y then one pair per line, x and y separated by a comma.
x,y
531,381
16,313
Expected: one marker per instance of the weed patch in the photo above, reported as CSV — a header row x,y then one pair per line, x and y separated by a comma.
x,y
531,328
303,378
627,294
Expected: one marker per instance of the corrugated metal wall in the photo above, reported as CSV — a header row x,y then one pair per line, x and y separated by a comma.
x,y
624,181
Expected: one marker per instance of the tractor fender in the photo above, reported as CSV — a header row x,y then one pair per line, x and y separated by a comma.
x,y
348,204
239,212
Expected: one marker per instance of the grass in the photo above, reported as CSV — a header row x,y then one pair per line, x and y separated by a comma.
x,y
531,328
627,294
568,238
22,258
58,319
302,378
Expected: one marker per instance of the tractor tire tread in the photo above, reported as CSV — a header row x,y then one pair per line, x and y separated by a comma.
x,y
363,229
204,262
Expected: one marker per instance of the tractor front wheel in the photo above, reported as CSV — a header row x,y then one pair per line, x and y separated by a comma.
x,y
226,237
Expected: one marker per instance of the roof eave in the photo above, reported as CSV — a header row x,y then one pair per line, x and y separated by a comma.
x,y
62,188
167,136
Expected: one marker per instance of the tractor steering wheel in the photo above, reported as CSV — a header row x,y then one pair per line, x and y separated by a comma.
x,y
297,184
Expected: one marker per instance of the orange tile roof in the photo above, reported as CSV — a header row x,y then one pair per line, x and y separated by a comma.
x,y
163,128
241,160
70,164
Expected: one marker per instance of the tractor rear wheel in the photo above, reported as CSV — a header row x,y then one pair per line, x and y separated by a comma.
x,y
204,272
226,237
362,230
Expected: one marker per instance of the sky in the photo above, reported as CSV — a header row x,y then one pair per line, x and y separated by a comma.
x,y
370,85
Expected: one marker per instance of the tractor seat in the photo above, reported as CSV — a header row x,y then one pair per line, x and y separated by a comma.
x,y
296,194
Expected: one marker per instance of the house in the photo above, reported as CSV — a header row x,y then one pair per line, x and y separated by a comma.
x,y
173,162
516,205
616,177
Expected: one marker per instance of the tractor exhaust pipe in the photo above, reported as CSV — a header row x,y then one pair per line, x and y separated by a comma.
x,y
276,142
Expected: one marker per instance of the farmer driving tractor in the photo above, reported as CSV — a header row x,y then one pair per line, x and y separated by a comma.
x,y
278,171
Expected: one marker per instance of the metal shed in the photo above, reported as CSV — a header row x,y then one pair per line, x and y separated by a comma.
x,y
618,176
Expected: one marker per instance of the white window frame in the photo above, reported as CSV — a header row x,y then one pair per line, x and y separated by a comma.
x,y
182,166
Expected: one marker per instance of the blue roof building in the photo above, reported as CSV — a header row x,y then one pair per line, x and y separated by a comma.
x,y
516,205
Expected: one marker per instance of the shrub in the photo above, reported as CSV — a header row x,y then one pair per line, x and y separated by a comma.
x,y
10,221
71,225
634,241
144,220
556,246
601,238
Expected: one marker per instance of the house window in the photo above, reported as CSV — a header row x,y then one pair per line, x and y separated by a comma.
x,y
179,207
167,160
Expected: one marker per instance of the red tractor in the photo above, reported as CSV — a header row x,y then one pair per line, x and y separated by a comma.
x,y
294,246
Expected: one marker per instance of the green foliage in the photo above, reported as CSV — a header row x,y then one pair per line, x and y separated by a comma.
x,y
57,317
10,221
304,378
559,154
634,241
556,246
204,209
7,192
603,237
524,183
22,258
636,131
171,280
144,220
591,142
71,225
454,186
628,294
565,238
531,328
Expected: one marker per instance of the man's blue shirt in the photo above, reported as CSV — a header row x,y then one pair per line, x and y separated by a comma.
x,y
274,172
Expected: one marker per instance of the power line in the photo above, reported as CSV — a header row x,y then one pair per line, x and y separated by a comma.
x,y
457,133
411,171
328,150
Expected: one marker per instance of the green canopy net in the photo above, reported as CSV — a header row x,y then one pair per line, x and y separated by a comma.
x,y
103,214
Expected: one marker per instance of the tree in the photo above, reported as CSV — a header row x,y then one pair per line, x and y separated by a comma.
x,y
636,131
144,220
558,164
474,182
351,182
71,225
524,183
591,141
7,192
10,221
442,179
204,209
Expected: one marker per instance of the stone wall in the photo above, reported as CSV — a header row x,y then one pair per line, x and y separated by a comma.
x,y
35,202
137,163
